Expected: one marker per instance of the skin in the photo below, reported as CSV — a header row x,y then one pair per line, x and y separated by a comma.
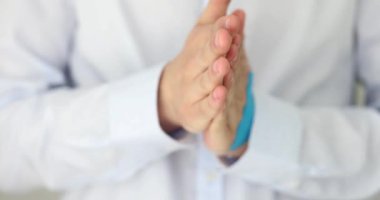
x,y
203,88
220,135
191,90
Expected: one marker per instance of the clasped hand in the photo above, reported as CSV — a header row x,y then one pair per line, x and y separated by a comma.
x,y
202,90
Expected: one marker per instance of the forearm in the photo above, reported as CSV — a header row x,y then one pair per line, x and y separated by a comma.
x,y
75,137
313,152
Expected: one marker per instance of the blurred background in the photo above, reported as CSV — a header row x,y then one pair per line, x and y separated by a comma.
x,y
36,195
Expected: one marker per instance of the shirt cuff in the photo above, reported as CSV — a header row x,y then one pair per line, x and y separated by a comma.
x,y
274,145
134,122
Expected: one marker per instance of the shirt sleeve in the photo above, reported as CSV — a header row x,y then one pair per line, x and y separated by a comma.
x,y
65,138
321,152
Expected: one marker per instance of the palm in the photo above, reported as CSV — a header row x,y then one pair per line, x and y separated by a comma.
x,y
221,132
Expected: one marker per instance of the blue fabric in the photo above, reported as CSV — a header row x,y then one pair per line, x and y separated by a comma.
x,y
244,129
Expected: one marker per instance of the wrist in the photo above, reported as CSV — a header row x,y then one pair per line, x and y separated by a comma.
x,y
231,157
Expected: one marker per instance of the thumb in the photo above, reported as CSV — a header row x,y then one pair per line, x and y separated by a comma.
x,y
214,10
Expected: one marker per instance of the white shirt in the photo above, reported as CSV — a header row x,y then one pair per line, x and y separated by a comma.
x,y
100,139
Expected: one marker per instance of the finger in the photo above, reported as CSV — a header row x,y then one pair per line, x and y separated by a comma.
x,y
242,18
212,103
218,138
218,45
236,54
212,77
214,10
230,24
232,55
237,39
203,111
228,80
206,109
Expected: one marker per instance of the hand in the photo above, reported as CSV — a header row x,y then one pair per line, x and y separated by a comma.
x,y
221,133
191,90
